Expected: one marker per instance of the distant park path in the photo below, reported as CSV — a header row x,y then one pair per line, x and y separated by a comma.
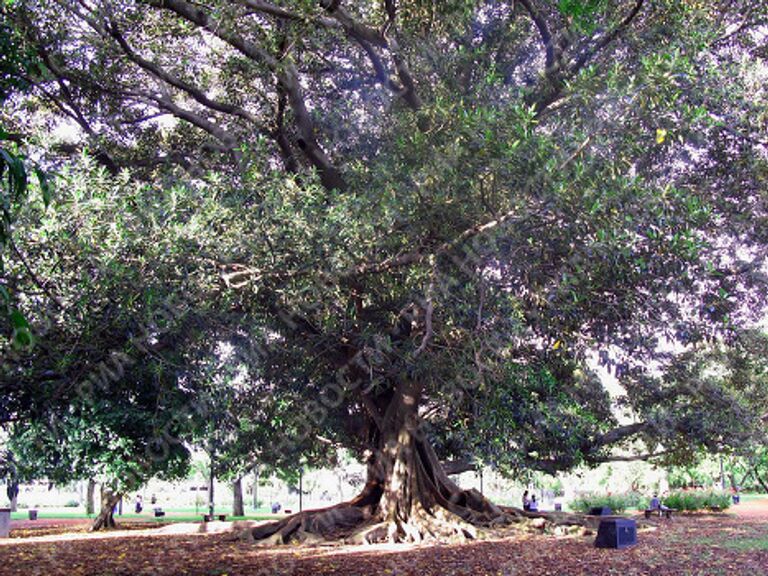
x,y
754,509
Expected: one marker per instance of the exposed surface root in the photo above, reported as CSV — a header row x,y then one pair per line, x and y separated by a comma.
x,y
314,526
350,524
408,497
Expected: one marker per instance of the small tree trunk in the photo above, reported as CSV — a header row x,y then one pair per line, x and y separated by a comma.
x,y
89,496
744,478
761,481
255,488
106,519
237,504
210,488
13,494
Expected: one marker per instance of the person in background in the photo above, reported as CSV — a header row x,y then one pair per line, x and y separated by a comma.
x,y
656,505
533,506
139,504
526,501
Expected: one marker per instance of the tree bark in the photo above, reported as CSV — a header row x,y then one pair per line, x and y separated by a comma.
x,y
761,481
237,504
13,494
89,496
106,519
408,497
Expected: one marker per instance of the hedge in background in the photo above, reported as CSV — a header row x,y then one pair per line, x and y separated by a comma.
x,y
697,500
618,503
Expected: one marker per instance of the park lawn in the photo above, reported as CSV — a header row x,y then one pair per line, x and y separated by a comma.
x,y
688,545
750,497
51,513
172,515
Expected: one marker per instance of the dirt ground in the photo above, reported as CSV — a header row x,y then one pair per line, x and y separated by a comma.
x,y
733,543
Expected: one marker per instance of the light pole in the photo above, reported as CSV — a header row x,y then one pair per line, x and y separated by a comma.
x,y
255,488
210,482
301,489
481,482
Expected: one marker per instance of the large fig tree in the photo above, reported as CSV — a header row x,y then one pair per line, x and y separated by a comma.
x,y
431,215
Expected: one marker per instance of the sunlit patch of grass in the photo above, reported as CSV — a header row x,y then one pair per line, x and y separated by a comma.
x,y
755,543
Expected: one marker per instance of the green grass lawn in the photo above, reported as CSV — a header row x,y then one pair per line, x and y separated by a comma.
x,y
742,543
171,515
745,497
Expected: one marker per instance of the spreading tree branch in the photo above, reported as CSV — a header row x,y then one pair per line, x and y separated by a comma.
x,y
605,40
543,28
284,70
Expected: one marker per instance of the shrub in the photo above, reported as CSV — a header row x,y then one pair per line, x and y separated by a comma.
x,y
697,500
72,504
616,502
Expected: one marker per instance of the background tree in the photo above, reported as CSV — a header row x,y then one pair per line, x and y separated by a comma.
x,y
96,392
240,416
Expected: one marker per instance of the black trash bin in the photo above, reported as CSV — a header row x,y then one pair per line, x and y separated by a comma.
x,y
616,533
32,514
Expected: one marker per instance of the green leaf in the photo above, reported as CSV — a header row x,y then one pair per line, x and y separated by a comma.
x,y
45,186
17,175
22,339
18,320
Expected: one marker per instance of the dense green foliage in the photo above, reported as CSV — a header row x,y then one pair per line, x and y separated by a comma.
x,y
684,500
694,500
618,503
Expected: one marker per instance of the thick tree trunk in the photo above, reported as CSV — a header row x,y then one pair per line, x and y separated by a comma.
x,y
237,504
106,519
407,497
89,496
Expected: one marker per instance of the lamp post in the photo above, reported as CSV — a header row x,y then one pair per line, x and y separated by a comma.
x,y
301,489
255,488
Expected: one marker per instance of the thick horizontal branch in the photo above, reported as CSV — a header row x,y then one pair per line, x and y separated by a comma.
x,y
631,458
227,139
453,467
619,434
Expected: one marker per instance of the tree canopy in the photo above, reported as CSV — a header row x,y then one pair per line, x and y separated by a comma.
x,y
412,223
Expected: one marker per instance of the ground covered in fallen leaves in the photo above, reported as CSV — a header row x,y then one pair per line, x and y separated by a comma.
x,y
734,543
